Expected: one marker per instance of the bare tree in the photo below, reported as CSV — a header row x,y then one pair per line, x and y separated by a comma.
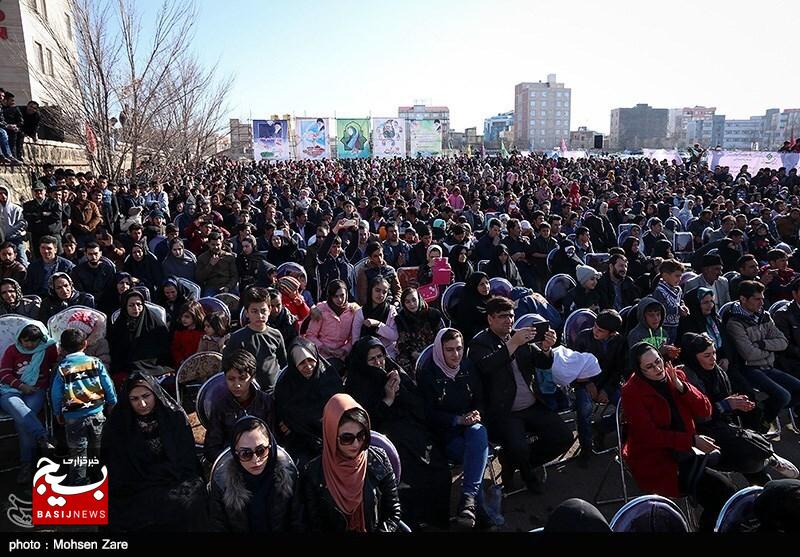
x,y
121,91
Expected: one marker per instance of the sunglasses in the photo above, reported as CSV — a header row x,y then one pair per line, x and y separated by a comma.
x,y
246,454
350,438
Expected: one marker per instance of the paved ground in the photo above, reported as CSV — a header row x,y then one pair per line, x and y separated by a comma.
x,y
522,511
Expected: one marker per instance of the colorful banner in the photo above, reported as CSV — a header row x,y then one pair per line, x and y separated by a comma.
x,y
754,160
312,138
270,140
426,137
352,138
388,137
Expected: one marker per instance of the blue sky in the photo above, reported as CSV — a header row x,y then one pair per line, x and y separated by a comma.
x,y
354,58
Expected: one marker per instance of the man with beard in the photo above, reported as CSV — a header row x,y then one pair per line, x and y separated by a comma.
x,y
9,266
43,215
94,275
617,290
216,269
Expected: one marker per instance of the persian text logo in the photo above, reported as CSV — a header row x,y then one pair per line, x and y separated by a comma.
x,y
54,503
19,512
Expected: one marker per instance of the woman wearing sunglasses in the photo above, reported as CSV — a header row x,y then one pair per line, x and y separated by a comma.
x,y
351,487
253,488
154,475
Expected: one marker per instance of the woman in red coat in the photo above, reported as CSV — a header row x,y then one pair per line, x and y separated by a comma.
x,y
663,451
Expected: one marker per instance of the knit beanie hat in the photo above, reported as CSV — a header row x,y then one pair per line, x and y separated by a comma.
x,y
584,273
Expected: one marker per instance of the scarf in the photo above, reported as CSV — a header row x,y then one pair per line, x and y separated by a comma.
x,y
671,298
344,476
30,373
438,356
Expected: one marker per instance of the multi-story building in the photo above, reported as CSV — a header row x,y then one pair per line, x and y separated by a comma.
x,y
241,139
744,135
780,127
542,113
423,112
33,33
584,139
639,127
494,126
701,118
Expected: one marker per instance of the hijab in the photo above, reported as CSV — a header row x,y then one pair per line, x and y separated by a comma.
x,y
333,287
438,355
712,383
344,477
17,289
424,317
30,373
371,310
461,271
661,387
261,485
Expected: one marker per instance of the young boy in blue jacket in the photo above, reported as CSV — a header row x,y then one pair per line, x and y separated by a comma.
x,y
81,388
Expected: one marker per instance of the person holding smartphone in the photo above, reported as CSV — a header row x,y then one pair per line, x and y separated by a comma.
x,y
506,360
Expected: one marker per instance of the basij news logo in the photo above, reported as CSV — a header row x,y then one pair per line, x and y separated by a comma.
x,y
58,504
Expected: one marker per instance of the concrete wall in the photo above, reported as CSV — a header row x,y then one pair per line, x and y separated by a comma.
x,y
66,155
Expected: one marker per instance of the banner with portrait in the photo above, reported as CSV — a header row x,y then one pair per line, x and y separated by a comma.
x,y
388,137
426,137
352,138
270,140
312,138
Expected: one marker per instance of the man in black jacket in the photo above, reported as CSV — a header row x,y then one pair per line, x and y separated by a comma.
x,y
43,215
617,290
14,124
506,360
787,319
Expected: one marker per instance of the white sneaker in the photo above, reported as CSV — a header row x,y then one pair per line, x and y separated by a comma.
x,y
784,467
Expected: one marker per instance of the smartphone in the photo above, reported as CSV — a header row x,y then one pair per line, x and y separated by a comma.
x,y
541,330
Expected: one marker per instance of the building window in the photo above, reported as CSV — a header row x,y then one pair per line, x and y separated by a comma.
x,y
544,103
39,55
558,113
541,132
44,9
533,103
69,25
49,62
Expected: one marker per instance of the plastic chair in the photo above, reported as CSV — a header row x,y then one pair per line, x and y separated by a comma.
x,y
211,305
482,265
577,321
682,243
290,268
381,441
598,260
10,326
191,286
499,286
777,305
724,309
557,288
196,370
209,396
550,259
424,357
69,317
216,464
650,513
738,510
618,460
687,276
37,301
730,275
450,298
231,301
149,305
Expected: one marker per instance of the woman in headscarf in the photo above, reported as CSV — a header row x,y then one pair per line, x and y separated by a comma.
x,y
565,260
255,485
143,265
351,487
377,317
501,265
250,263
663,249
396,406
24,380
61,295
459,263
453,397
179,262
113,297
637,261
661,408
704,319
155,481
172,296
139,338
12,301
417,324
425,271
331,322
742,450
469,315
300,395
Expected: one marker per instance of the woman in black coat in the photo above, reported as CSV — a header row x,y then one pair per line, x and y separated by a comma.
x,y
139,338
397,410
301,393
155,480
172,296
469,314
351,487
255,487
459,263
501,265
143,265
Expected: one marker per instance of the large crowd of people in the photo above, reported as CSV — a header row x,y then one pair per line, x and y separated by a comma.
x,y
343,331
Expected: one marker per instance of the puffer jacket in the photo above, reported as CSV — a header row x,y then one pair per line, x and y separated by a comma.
x,y
381,501
230,497
755,337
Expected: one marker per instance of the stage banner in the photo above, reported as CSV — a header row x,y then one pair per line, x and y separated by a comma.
x,y
388,137
352,138
754,160
270,140
312,138
661,154
426,137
